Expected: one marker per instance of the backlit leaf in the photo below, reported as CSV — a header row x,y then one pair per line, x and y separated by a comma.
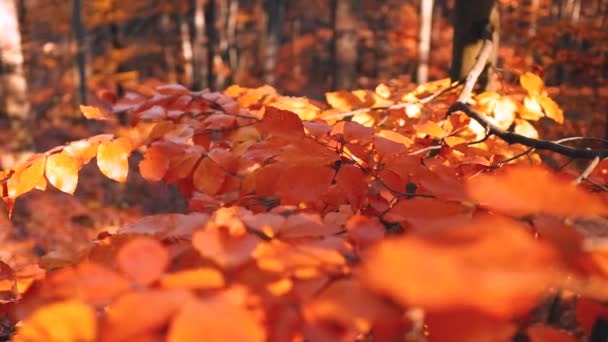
x,y
531,82
93,113
62,171
113,161
27,178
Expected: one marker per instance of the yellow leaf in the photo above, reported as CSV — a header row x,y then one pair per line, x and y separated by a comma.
x,y
62,171
551,109
113,160
61,322
93,113
531,82
524,128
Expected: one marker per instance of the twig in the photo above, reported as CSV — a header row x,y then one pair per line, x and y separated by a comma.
x,y
594,163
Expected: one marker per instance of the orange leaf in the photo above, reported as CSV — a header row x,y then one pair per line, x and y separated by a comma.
x,y
353,132
62,171
344,100
113,161
88,282
525,190
138,313
201,278
430,128
306,183
156,161
27,178
389,142
353,182
208,177
492,265
280,122
143,260
93,113
428,213
531,82
364,230
226,250
350,306
69,321
206,320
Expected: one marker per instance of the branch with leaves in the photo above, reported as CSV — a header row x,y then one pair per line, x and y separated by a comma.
x,y
511,137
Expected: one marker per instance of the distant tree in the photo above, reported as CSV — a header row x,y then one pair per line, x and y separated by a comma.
x,y
275,12
346,22
473,20
14,101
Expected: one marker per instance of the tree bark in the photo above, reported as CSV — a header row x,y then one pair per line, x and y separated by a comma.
x,y
275,10
79,35
13,85
474,20
424,45
200,55
345,46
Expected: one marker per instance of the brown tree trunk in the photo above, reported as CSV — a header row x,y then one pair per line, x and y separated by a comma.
x,y
79,35
346,20
474,20
275,10
13,85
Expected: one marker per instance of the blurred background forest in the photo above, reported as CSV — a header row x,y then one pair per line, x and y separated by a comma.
x,y
78,51
68,53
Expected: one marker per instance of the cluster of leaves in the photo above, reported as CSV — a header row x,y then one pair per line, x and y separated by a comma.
x,y
304,227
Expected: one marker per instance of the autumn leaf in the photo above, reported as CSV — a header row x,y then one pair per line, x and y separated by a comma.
x,y
465,267
526,190
143,260
137,313
201,278
226,250
531,82
27,178
112,160
67,321
61,171
93,113
206,320
280,122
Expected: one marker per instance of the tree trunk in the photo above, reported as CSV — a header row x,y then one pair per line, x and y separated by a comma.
x,y
13,85
275,10
200,56
474,20
345,43
79,35
424,46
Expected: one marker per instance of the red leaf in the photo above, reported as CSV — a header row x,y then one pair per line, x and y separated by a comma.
x,y
281,123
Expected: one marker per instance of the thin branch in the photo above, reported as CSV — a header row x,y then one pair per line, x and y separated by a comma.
x,y
594,163
510,137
